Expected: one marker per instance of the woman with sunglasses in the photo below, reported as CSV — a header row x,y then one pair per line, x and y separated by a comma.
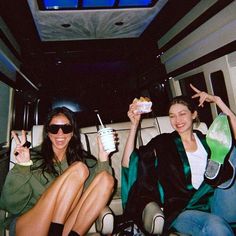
x,y
56,189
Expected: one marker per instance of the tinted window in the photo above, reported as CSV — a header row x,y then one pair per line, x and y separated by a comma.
x,y
198,81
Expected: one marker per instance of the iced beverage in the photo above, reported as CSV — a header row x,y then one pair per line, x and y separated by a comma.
x,y
107,139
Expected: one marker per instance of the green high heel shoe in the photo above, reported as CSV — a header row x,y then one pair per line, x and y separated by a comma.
x,y
219,140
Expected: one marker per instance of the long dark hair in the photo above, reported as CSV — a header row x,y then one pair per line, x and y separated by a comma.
x,y
188,102
74,151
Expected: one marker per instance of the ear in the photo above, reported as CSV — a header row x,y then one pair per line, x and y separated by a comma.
x,y
194,115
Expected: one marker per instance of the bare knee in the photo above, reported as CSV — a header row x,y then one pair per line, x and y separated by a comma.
x,y
106,180
80,169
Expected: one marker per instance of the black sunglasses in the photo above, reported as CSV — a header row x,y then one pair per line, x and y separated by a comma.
x,y
53,129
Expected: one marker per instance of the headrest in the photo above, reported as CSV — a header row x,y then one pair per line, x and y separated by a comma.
x,y
201,127
119,126
164,125
149,122
90,129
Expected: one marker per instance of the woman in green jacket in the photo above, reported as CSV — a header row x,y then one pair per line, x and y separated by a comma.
x,y
58,189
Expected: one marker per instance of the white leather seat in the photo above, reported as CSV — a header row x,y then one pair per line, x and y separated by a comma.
x,y
37,135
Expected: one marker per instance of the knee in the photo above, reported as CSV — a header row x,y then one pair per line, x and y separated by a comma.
x,y
215,225
80,169
106,180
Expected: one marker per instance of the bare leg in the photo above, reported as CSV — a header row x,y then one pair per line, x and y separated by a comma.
x,y
92,202
58,197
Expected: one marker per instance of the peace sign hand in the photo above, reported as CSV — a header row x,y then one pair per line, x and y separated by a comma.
x,y
203,96
21,152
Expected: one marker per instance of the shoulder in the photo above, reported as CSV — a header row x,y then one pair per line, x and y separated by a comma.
x,y
202,138
159,142
36,152
36,156
162,137
200,134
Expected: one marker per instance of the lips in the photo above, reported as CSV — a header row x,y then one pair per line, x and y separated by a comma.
x,y
60,141
179,126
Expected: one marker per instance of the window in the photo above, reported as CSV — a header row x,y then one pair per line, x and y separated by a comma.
x,y
91,4
219,88
198,80
5,102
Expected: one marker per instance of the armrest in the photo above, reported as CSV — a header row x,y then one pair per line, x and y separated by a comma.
x,y
153,218
105,221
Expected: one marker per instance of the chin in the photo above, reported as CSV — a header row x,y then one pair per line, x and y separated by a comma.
x,y
181,130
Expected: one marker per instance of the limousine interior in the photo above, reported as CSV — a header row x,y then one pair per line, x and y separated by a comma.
x,y
95,57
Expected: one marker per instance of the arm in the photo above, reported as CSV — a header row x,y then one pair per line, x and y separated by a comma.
x,y
129,146
102,155
16,191
203,96
103,159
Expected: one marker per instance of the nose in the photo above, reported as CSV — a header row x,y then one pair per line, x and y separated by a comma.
x,y
178,119
60,131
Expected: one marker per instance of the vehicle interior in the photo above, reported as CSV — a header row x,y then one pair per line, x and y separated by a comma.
x,y
95,57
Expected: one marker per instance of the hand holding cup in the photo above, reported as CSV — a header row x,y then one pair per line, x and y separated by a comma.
x,y
107,139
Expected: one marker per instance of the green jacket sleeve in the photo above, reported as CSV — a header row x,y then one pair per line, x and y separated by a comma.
x,y
16,192
128,177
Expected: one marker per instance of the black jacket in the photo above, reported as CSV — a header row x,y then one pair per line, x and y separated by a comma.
x,y
164,176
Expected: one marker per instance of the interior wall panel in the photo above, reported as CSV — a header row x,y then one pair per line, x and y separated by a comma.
x,y
214,34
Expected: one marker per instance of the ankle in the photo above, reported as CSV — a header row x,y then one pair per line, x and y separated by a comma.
x,y
73,233
55,229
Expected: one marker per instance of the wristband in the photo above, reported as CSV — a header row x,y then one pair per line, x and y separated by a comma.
x,y
28,163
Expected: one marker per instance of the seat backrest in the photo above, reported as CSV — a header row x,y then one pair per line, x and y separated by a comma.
x,y
149,128
122,130
37,135
201,127
88,137
153,126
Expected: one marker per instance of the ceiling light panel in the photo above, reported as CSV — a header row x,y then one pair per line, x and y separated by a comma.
x,y
91,4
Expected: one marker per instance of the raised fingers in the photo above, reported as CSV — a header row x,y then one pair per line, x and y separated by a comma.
x,y
202,99
23,137
16,138
194,89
